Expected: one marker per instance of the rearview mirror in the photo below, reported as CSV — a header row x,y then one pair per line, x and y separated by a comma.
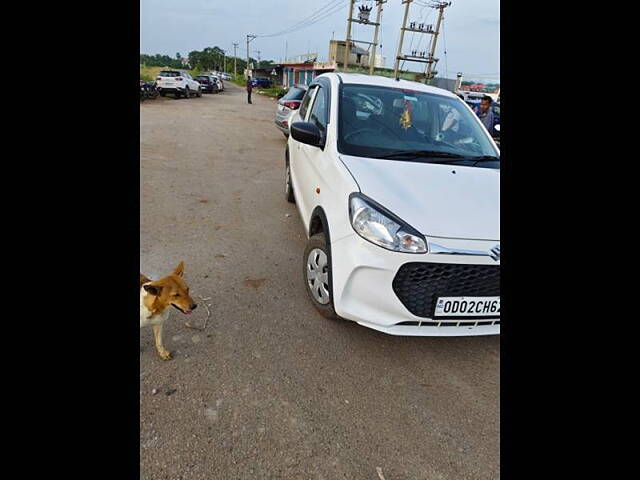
x,y
307,133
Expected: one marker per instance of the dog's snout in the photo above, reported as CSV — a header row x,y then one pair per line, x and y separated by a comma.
x,y
193,306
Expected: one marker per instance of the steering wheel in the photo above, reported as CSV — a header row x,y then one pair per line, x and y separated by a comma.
x,y
359,131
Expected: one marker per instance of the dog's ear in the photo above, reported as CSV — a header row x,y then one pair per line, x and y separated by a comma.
x,y
153,289
179,271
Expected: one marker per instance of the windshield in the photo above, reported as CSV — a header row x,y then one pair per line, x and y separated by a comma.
x,y
167,73
381,121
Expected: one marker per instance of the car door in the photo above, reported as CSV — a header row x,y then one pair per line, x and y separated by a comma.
x,y
297,158
312,159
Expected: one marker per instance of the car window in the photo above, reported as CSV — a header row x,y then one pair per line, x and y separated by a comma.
x,y
294,93
374,121
305,102
319,110
168,73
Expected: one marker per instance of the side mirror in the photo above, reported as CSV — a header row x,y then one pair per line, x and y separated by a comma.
x,y
497,127
307,133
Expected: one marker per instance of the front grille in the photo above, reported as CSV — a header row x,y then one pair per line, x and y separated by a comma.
x,y
418,285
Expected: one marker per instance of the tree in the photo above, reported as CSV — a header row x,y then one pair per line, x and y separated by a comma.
x,y
209,58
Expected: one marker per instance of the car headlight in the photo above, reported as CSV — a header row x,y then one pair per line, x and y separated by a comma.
x,y
379,226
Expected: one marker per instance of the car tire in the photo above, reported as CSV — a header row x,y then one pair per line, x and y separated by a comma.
x,y
199,93
288,186
162,94
317,257
187,93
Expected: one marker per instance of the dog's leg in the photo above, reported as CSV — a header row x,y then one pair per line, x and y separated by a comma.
x,y
163,352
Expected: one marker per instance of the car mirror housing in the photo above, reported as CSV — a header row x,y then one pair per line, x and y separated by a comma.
x,y
307,133
497,127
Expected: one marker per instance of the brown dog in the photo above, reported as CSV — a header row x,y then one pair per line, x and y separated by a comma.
x,y
155,299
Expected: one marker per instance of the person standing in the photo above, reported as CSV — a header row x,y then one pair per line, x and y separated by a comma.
x,y
249,89
485,113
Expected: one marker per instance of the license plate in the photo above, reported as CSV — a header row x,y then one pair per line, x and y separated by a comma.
x,y
467,307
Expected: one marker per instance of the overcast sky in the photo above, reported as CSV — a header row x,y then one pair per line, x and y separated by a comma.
x,y
471,30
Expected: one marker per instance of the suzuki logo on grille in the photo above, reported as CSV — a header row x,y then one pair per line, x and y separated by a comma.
x,y
495,253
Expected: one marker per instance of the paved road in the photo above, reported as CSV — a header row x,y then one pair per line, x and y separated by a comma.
x,y
272,390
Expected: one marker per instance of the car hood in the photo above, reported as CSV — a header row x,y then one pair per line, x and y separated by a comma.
x,y
431,197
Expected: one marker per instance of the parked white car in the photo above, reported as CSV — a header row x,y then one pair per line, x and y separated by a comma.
x,y
219,77
398,187
178,83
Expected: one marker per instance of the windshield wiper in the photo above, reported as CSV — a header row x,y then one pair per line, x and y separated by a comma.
x,y
421,154
443,157
484,158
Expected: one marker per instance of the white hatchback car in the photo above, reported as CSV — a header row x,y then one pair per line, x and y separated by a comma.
x,y
398,187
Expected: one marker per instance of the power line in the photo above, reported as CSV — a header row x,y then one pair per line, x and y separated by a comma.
x,y
327,10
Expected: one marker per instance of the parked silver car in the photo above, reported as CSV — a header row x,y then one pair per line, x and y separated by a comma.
x,y
287,107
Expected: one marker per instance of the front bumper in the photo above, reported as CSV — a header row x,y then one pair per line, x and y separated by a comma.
x,y
363,276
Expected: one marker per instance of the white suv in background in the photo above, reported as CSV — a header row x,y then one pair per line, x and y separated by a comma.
x,y
398,187
178,83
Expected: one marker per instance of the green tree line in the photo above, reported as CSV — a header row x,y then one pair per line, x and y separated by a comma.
x,y
210,58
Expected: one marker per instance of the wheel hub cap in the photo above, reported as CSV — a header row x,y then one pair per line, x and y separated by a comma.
x,y
318,275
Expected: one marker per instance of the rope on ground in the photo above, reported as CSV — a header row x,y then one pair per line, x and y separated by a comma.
x,y
206,320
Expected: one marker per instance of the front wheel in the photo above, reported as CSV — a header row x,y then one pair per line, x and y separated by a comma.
x,y
187,93
316,271
199,93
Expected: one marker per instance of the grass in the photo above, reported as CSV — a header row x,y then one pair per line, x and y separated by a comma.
x,y
276,92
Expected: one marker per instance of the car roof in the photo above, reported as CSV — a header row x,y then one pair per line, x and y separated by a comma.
x,y
377,80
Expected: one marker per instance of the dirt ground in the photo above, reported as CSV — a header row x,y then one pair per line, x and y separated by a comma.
x,y
270,389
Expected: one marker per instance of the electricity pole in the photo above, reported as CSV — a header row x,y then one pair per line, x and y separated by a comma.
x,y
348,41
404,26
416,56
258,52
235,57
440,6
249,39
372,61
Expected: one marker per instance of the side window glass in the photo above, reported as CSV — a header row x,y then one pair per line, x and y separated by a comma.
x,y
305,102
319,110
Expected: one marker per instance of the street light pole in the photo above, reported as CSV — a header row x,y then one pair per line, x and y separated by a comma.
x,y
258,52
249,39
372,63
235,57
347,48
